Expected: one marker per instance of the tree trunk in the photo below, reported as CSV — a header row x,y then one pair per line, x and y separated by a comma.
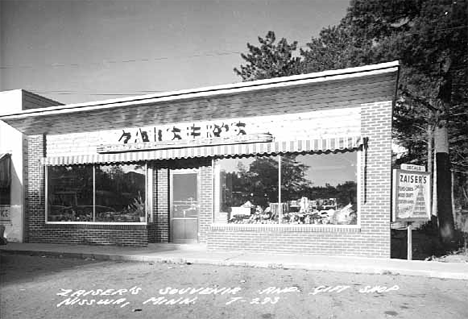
x,y
430,168
434,185
444,185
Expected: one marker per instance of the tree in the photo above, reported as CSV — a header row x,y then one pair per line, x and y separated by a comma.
x,y
430,38
260,180
270,60
294,180
335,48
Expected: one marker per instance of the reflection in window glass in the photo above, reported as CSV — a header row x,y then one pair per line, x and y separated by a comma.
x,y
243,185
114,193
5,196
70,194
5,182
120,193
184,195
319,188
315,189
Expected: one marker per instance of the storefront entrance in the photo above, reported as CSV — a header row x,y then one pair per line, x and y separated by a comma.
x,y
184,206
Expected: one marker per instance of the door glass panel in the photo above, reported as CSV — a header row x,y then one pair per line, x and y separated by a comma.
x,y
185,197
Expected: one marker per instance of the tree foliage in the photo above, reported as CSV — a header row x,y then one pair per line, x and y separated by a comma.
x,y
261,180
428,37
271,59
258,183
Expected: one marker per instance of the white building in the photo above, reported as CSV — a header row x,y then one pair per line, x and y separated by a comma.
x,y
13,162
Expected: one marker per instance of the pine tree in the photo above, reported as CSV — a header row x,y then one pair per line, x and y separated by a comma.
x,y
271,59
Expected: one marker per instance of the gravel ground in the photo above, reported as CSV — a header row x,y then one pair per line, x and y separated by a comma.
x,y
41,287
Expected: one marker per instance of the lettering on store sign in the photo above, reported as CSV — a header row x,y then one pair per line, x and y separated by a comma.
x,y
411,178
250,138
182,132
169,296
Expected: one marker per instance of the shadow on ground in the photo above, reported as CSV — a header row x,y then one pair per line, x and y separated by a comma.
x,y
426,245
24,268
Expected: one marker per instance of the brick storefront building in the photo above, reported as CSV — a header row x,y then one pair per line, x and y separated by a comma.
x,y
296,164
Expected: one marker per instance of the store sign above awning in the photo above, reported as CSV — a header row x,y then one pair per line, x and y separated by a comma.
x,y
314,131
181,132
184,143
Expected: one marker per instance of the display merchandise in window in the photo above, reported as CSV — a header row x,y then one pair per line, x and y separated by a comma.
x,y
316,189
100,193
120,193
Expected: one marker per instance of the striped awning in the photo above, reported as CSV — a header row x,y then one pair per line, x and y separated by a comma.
x,y
277,147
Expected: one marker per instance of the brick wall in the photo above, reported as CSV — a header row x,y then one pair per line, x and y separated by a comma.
x,y
89,234
205,215
161,204
376,197
34,189
371,239
286,240
25,179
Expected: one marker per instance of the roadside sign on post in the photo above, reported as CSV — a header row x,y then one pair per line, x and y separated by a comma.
x,y
411,196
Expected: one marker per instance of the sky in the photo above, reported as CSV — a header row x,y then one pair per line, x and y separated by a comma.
x,y
325,169
77,51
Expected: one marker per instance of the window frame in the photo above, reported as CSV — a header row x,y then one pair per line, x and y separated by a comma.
x,y
148,207
322,227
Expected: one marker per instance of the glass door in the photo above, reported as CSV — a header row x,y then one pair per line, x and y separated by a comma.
x,y
184,206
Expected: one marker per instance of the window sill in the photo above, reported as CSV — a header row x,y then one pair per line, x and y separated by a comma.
x,y
96,223
288,228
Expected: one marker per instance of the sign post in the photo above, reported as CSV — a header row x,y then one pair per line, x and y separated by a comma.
x,y
411,198
409,248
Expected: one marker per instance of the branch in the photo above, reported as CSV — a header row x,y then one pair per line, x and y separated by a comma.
x,y
421,101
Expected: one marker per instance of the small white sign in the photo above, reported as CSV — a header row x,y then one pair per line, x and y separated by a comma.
x,y
415,168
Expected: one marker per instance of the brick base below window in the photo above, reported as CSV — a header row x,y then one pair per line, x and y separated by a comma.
x,y
136,236
333,243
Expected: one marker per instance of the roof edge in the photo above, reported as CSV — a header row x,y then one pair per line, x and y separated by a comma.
x,y
215,90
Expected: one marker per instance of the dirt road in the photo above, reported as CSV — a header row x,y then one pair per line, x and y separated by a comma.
x,y
40,287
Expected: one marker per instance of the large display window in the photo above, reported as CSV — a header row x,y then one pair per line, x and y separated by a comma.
x,y
301,189
96,193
